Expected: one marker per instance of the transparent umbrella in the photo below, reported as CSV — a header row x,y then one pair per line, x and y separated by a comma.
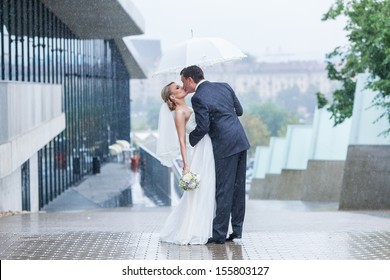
x,y
201,51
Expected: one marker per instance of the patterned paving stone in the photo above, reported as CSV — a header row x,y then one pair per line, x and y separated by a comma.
x,y
274,230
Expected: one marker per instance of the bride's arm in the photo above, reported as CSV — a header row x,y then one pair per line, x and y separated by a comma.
x,y
180,122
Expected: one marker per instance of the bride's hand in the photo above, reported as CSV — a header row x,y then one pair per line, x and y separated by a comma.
x,y
186,169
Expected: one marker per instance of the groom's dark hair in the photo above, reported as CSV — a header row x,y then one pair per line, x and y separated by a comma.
x,y
193,71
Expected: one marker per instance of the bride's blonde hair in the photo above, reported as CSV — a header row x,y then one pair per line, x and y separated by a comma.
x,y
165,95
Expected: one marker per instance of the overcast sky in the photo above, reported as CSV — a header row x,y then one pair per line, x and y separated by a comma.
x,y
258,27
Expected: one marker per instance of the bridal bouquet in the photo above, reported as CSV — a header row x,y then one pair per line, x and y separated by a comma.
x,y
189,181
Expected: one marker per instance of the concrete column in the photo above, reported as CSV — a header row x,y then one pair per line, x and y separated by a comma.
x,y
323,180
366,180
34,186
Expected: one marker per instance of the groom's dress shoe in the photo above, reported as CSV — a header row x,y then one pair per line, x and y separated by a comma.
x,y
216,241
233,236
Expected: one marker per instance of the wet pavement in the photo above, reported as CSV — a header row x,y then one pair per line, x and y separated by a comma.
x,y
273,230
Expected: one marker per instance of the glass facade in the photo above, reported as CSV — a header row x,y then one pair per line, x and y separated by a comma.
x,y
35,46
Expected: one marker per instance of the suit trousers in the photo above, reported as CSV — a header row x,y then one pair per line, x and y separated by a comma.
x,y
230,195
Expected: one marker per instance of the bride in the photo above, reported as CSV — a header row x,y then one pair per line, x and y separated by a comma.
x,y
191,221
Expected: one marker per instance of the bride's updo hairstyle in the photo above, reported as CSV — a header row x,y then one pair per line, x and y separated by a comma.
x,y
165,94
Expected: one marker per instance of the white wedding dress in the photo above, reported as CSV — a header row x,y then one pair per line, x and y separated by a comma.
x,y
191,221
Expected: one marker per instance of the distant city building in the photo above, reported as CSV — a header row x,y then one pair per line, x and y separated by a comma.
x,y
267,79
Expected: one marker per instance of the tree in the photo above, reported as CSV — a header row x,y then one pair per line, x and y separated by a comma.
x,y
153,113
368,31
297,102
276,118
256,131
289,98
147,110
247,98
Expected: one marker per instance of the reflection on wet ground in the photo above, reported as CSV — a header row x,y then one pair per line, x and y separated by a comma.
x,y
274,230
74,227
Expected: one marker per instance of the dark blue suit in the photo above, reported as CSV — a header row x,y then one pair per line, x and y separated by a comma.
x,y
216,110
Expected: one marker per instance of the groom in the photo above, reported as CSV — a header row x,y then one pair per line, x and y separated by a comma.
x,y
216,110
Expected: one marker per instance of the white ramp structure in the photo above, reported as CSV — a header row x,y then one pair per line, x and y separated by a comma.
x,y
349,163
261,162
298,146
366,127
329,142
366,180
260,167
278,150
279,168
325,169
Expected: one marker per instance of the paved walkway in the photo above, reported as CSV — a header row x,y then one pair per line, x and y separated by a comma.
x,y
274,230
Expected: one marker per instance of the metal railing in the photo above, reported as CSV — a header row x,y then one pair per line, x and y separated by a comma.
x,y
155,178
160,183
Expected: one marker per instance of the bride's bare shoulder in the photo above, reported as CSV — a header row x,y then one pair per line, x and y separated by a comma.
x,y
183,113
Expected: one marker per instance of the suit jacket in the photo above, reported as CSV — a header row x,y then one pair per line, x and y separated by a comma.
x,y
216,110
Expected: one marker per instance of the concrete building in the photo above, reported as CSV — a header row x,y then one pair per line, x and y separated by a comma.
x,y
64,93
265,79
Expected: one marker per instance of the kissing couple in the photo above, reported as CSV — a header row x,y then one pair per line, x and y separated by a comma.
x,y
214,212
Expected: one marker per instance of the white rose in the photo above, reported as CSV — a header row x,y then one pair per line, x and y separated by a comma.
x,y
187,177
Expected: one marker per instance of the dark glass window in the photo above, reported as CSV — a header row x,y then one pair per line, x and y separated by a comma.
x,y
35,46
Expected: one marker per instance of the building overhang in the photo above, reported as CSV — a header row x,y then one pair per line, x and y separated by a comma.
x,y
87,19
98,19
131,59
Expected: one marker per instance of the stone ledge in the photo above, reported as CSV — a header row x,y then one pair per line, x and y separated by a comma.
x,y
12,213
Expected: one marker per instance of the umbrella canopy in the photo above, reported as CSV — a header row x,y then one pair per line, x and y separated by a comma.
x,y
201,51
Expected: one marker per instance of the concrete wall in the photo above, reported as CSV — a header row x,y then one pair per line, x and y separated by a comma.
x,y
11,192
31,116
291,184
310,179
325,168
26,106
258,189
360,180
366,181
286,186
11,189
14,153
291,156
322,180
